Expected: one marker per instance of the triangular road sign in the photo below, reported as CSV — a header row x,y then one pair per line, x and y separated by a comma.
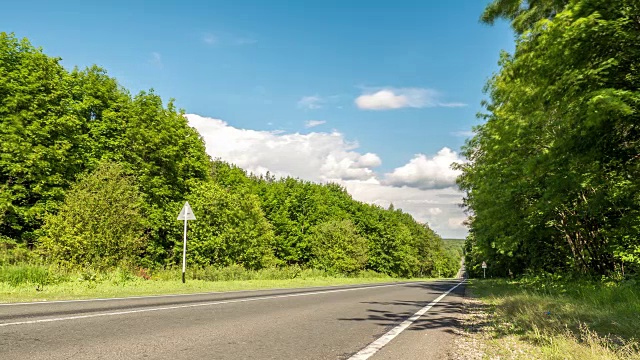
x,y
186,213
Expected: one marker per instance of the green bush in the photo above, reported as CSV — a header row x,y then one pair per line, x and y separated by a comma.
x,y
230,230
13,253
99,225
337,246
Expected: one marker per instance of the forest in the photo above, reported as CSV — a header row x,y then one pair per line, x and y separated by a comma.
x,y
552,184
92,176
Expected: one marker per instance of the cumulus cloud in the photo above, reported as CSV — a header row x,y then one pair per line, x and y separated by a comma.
x,y
424,172
434,207
314,123
315,156
328,156
310,102
369,160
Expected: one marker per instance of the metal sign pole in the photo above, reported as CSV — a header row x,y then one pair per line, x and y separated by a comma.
x,y
184,250
185,214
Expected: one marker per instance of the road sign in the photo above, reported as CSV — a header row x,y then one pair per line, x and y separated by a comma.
x,y
185,214
484,269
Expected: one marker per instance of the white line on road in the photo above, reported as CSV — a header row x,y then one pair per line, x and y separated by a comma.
x,y
193,305
375,346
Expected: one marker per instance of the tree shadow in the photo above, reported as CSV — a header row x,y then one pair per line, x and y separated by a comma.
x,y
444,315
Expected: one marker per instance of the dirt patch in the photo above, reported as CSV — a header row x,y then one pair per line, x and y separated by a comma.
x,y
469,344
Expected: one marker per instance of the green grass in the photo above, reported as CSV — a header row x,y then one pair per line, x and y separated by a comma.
x,y
551,318
20,283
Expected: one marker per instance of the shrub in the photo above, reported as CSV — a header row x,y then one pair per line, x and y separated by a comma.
x,y
99,225
337,246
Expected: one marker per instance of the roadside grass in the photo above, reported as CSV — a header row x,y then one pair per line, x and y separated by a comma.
x,y
22,283
551,318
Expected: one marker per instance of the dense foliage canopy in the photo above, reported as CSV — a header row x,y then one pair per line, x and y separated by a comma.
x,y
92,176
552,181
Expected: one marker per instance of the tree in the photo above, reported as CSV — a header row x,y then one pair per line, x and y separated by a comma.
x,y
337,246
550,183
230,229
100,223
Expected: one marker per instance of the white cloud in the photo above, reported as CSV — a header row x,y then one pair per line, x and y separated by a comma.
x,y
433,206
316,156
389,98
328,156
369,160
398,98
426,173
310,102
314,123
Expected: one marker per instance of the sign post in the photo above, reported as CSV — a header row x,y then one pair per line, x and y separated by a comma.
x,y
185,214
484,268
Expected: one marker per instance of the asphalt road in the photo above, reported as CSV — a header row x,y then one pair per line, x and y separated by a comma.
x,y
316,323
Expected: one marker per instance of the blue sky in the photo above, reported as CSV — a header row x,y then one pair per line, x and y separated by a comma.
x,y
394,80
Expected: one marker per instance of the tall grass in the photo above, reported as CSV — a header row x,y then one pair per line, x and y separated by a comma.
x,y
29,282
566,318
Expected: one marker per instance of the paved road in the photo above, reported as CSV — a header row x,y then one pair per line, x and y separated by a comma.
x,y
317,323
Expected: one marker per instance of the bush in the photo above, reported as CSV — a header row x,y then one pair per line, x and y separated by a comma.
x,y
99,225
230,230
12,253
337,246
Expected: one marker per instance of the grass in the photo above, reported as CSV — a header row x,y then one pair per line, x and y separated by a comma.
x,y
552,318
20,283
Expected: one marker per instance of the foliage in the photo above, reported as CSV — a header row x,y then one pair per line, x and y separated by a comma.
x,y
336,245
100,224
230,229
550,184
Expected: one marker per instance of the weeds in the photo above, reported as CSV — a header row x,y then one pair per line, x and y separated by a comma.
x,y
38,282
562,319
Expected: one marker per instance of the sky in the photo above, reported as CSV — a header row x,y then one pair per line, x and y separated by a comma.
x,y
378,96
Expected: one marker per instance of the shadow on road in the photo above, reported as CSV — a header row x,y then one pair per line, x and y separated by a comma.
x,y
444,315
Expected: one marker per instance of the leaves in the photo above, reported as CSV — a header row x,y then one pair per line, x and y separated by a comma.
x,y
549,183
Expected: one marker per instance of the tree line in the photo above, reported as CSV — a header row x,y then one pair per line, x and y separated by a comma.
x,y
553,178
91,175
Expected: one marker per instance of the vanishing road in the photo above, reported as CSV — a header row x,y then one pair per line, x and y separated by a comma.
x,y
345,322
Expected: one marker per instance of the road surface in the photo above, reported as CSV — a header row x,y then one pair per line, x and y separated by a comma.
x,y
314,323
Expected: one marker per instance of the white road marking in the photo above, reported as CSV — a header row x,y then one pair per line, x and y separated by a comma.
x,y
375,346
193,305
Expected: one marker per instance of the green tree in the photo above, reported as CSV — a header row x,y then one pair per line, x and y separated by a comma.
x,y
550,182
100,224
230,229
337,246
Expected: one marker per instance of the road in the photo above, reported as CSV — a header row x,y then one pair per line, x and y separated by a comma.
x,y
316,323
